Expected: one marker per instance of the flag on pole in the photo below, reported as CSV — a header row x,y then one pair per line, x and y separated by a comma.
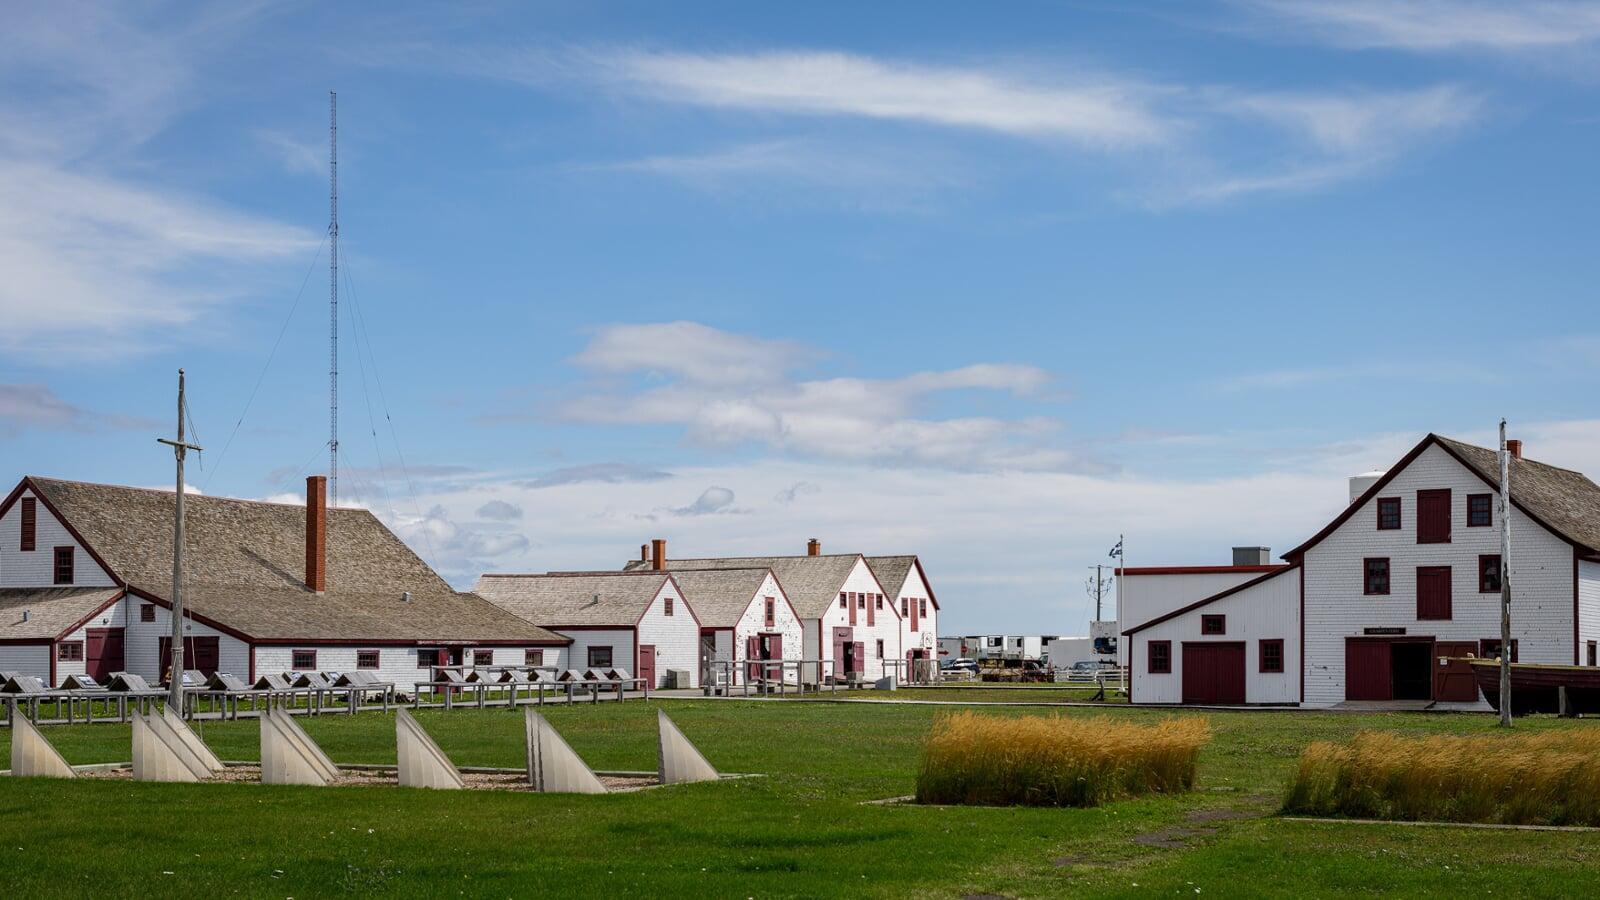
x,y
1116,552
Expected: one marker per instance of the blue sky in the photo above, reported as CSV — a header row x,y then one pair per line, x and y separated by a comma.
x,y
906,277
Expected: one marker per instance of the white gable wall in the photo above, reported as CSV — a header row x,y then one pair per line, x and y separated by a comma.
x,y
1335,608
1141,598
885,627
142,643
1267,611
914,593
620,641
675,637
36,568
754,622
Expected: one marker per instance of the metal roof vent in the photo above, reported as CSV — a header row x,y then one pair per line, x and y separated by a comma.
x,y
405,596
27,614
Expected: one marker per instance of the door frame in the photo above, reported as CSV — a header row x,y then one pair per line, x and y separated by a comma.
x,y
1244,651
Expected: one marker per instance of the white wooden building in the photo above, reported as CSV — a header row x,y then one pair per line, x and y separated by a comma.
x,y
641,622
1405,577
907,585
745,616
86,569
848,624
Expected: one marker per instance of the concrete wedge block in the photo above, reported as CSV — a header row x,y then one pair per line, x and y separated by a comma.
x,y
553,767
680,761
289,755
32,754
422,763
159,754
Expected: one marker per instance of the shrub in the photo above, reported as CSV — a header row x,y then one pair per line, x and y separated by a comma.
x,y
1055,760
1526,779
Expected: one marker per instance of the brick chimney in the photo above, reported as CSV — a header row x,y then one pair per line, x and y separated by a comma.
x,y
644,553
658,554
1514,447
317,533
813,547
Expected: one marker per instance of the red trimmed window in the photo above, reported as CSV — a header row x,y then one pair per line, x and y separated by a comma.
x,y
533,657
1480,510
483,657
427,657
1489,648
922,606
1272,655
861,601
1489,573
30,523
147,612
880,648
1388,513
668,605
1594,654
1214,624
1160,657
879,600
1433,516
772,612
842,602
1375,577
366,659
599,657
303,660
63,565
70,651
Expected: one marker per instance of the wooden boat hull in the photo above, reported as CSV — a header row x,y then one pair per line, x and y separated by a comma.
x,y
1535,688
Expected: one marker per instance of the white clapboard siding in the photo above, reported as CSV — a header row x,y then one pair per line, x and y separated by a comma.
x,y
1266,611
620,641
754,622
885,627
676,637
36,568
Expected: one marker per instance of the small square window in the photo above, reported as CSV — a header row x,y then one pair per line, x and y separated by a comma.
x,y
147,612
1489,573
303,660
533,657
70,651
1388,513
1214,624
1480,510
599,657
1160,657
1375,578
1272,655
427,657
366,659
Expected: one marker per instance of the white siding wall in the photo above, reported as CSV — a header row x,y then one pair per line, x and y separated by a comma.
x,y
675,637
26,659
885,627
1541,575
1270,610
1141,598
619,640
113,617
926,635
37,567
754,622
395,664
1588,607
142,643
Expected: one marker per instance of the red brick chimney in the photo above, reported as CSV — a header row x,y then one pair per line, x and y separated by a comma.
x,y
317,533
644,552
658,554
1514,447
813,547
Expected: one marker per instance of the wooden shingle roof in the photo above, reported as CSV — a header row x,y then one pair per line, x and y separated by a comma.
x,y
812,582
574,598
720,596
245,568
51,612
892,572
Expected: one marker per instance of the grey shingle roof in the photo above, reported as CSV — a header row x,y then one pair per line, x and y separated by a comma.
x,y
892,572
575,598
811,582
245,564
51,611
1566,501
720,597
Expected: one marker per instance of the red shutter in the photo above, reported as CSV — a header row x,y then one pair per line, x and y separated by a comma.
x,y
1433,592
30,518
913,606
861,656
752,652
1366,670
852,608
872,609
1433,516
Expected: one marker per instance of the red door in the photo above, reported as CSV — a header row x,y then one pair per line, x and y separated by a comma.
x,y
752,652
1454,680
1367,670
102,653
841,638
774,643
1433,592
1433,516
859,656
1213,672
647,664
198,653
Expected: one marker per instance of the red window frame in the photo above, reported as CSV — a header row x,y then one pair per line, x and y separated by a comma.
x,y
64,565
368,659
483,657
69,651
147,612
1159,657
533,657
667,605
1480,510
1488,648
1389,513
30,524
772,612
843,603
303,660
427,657
1271,647
1484,561
593,653
1367,580
1213,623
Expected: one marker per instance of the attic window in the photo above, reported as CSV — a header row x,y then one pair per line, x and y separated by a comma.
x,y
147,612
1388,513
880,600
1213,624
842,601
668,603
63,569
30,520
861,601
922,608
772,612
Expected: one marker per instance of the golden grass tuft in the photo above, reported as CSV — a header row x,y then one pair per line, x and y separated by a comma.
x,y
1551,778
1055,760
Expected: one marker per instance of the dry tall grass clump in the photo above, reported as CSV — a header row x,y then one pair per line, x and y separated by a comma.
x,y
1055,760
1551,778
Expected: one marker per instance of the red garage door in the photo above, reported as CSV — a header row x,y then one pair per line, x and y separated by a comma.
x,y
1366,670
1213,672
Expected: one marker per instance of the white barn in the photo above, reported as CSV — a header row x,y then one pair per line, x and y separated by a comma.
x,y
640,622
744,615
907,585
86,570
1403,579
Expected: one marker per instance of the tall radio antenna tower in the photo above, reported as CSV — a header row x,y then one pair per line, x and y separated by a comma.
x,y
333,297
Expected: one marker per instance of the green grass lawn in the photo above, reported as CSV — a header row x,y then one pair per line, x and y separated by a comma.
x,y
801,831
977,692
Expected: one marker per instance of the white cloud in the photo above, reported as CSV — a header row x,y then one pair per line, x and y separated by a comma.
x,y
500,510
729,389
1433,25
610,473
296,156
1362,124
25,406
711,500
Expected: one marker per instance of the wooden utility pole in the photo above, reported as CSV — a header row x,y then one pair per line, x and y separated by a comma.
x,y
179,449
1505,580
1097,588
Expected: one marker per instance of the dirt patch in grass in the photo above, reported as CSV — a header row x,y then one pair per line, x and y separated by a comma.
x,y
1174,838
1201,816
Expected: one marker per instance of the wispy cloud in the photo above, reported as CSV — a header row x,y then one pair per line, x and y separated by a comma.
x,y
1430,372
28,406
1434,25
605,473
711,500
